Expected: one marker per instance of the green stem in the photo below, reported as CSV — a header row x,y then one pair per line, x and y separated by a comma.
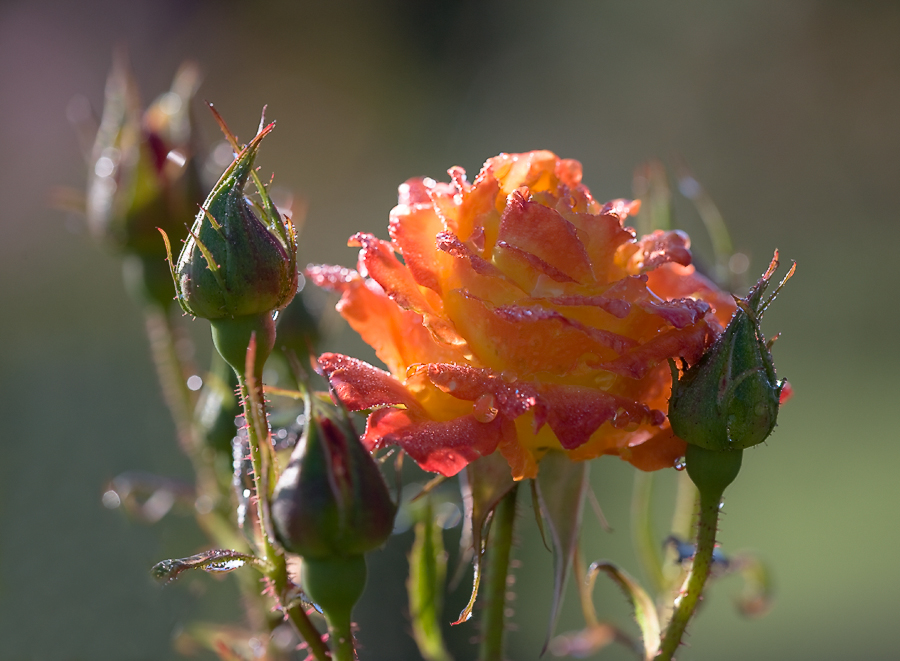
x,y
642,529
700,568
493,616
342,640
276,567
171,378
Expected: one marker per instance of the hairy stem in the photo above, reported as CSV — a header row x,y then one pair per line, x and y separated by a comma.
x,y
493,615
700,568
276,567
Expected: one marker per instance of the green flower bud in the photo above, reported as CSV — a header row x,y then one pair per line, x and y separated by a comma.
x,y
729,399
240,259
331,500
144,175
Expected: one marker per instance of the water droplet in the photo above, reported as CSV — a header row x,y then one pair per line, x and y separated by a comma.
x,y
485,408
246,493
223,567
194,382
111,500
621,418
721,503
680,464
509,376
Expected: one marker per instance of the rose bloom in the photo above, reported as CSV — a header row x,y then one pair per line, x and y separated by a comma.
x,y
523,317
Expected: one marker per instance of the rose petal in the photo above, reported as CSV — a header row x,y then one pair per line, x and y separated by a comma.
x,y
543,232
362,386
441,447
687,343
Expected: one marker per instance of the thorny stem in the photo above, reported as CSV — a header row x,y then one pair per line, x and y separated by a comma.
x,y
702,564
276,567
493,615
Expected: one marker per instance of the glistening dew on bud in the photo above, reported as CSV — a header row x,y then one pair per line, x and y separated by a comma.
x,y
241,256
239,263
729,399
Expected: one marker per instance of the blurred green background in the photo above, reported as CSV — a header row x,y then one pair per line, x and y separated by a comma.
x,y
787,112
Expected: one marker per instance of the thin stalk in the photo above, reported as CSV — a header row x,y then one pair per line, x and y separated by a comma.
x,y
642,530
700,568
276,567
171,378
493,614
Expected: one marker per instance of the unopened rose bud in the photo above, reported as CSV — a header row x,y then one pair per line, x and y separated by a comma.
x,y
240,258
331,506
729,399
331,500
239,263
143,176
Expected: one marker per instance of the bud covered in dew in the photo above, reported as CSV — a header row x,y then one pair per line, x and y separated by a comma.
x,y
331,500
240,257
729,399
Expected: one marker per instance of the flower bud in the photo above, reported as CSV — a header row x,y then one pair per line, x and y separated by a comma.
x,y
144,175
331,500
240,257
729,399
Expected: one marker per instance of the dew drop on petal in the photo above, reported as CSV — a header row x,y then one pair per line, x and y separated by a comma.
x,y
621,418
680,464
485,408
509,376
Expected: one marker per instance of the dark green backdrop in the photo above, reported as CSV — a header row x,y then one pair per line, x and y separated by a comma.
x,y
786,111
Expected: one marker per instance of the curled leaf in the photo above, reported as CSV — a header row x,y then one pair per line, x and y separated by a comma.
x,y
216,561
644,609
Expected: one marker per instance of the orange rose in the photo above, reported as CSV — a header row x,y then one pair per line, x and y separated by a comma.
x,y
523,317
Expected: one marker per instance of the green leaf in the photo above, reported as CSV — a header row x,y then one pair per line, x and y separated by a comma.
x,y
427,573
483,484
561,488
644,609
217,561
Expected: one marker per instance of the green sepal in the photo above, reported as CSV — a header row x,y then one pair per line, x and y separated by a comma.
x,y
427,574
561,487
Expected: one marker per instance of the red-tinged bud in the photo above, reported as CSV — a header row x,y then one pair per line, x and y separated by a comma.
x,y
331,499
144,175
